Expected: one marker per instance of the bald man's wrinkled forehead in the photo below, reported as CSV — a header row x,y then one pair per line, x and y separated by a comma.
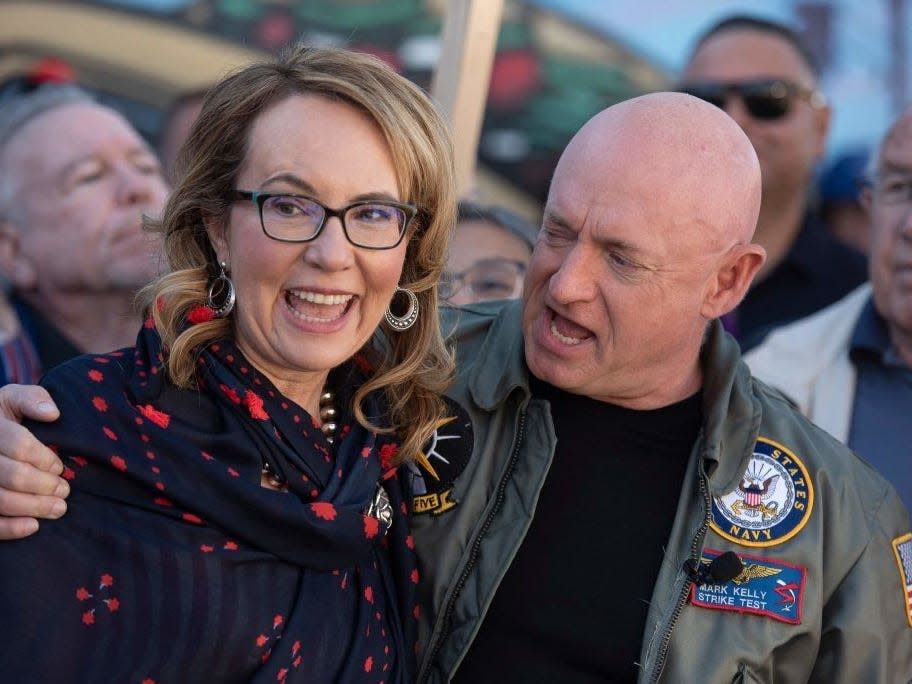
x,y
674,149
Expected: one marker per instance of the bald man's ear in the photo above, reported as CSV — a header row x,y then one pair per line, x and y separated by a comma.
x,y
15,266
732,279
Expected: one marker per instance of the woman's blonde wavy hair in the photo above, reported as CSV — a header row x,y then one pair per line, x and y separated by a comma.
x,y
412,368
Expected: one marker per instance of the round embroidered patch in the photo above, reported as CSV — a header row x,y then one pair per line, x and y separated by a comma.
x,y
771,503
431,475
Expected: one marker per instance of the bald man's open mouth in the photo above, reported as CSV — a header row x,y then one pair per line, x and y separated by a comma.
x,y
566,331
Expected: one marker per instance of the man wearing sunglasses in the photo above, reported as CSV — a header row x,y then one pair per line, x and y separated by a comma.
x,y
765,78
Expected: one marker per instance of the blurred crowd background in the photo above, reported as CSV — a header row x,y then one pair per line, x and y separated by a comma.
x,y
557,63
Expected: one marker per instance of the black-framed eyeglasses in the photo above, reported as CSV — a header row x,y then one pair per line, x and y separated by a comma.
x,y
766,99
485,280
372,224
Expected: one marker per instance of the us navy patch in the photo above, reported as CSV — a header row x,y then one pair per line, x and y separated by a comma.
x,y
430,476
767,587
772,502
902,547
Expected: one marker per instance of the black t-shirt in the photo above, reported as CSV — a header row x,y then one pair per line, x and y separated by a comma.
x,y
572,606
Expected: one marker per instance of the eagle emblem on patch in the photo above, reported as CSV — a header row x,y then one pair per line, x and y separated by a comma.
x,y
431,475
772,501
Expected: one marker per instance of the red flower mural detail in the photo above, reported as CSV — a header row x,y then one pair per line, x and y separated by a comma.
x,y
160,418
323,510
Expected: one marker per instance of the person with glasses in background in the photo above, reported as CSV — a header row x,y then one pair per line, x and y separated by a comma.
x,y
849,366
764,76
235,511
488,255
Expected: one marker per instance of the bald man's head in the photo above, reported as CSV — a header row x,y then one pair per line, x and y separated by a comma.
x,y
685,152
646,237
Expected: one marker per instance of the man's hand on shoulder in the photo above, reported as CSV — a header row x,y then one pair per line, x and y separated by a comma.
x,y
30,482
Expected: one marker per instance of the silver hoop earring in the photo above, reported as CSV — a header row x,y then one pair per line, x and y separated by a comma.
x,y
407,320
222,289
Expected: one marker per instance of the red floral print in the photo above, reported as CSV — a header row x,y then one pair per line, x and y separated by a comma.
x,y
200,314
254,404
160,418
323,510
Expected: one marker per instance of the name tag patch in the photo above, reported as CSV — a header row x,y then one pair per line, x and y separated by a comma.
x,y
902,547
767,587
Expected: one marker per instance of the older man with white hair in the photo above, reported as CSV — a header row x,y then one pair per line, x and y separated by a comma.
x,y
849,366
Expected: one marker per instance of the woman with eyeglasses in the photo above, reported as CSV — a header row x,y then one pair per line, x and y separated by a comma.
x,y
489,253
236,514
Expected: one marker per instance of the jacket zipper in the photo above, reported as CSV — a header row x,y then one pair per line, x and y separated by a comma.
x,y
695,548
476,545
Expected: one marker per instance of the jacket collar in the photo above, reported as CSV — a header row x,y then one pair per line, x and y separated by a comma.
x,y
501,364
731,409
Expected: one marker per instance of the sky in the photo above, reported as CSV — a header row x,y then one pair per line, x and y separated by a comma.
x,y
662,30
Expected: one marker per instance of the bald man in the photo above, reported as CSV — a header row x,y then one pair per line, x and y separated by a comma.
x,y
613,497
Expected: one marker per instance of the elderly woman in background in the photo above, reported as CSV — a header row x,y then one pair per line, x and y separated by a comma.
x,y
235,514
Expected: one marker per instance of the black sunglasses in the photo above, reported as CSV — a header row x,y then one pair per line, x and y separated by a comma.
x,y
766,99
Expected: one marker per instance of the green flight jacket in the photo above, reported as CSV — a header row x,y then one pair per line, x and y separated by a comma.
x,y
834,608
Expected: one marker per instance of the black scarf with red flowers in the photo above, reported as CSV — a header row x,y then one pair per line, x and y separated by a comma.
x,y
173,564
